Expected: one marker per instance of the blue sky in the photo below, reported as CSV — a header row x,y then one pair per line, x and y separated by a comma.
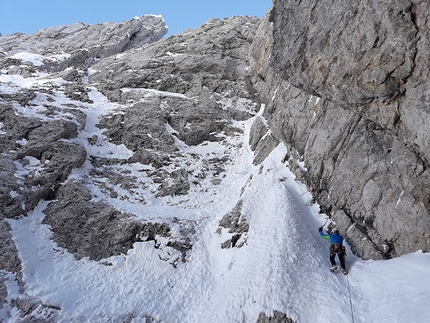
x,y
28,16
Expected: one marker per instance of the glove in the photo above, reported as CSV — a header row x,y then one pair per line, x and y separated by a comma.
x,y
320,229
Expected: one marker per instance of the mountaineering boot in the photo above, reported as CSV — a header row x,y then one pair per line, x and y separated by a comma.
x,y
344,271
333,268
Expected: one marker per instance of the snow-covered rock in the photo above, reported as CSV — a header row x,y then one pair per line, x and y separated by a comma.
x,y
102,152
80,45
149,180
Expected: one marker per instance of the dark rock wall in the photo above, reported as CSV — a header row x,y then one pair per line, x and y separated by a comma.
x,y
346,89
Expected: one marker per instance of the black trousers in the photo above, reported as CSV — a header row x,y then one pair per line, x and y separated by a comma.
x,y
340,251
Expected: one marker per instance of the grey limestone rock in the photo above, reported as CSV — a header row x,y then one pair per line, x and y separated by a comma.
x,y
141,126
89,229
278,317
97,230
345,89
209,59
188,87
35,158
173,87
350,52
82,44
9,260
176,183
181,80
33,310
258,130
22,97
235,222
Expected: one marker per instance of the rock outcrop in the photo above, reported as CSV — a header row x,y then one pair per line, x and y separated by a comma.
x,y
235,222
98,231
81,45
40,126
346,88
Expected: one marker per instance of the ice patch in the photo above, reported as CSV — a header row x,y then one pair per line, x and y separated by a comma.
x,y
39,60
14,194
302,166
400,198
35,59
155,92
22,142
32,167
2,132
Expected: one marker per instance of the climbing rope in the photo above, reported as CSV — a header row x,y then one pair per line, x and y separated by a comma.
x,y
325,223
350,300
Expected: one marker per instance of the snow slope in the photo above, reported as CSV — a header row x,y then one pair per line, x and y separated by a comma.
x,y
283,266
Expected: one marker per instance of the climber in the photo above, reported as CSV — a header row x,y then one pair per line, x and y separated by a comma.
x,y
336,247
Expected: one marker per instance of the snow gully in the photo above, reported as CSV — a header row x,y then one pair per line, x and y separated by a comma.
x,y
350,300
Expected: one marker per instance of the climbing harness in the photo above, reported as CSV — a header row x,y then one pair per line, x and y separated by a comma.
x,y
350,300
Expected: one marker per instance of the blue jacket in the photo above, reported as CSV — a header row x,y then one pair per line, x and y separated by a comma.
x,y
332,238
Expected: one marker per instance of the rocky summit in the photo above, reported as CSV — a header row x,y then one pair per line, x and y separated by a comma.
x,y
98,121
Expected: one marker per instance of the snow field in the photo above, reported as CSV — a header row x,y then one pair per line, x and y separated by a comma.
x,y
283,266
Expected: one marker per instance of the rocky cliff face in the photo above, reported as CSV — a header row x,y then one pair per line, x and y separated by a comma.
x,y
346,88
